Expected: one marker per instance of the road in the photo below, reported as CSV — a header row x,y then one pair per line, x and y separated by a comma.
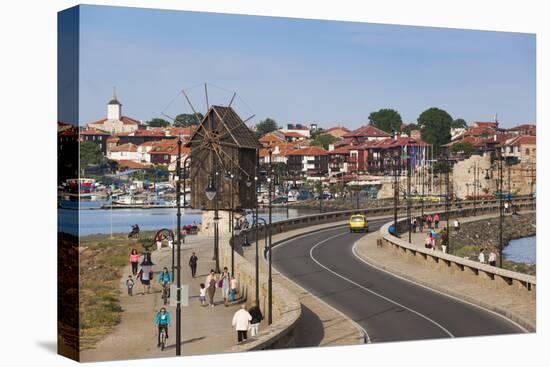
x,y
387,307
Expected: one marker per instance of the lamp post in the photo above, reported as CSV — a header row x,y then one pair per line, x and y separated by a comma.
x,y
500,209
178,244
232,224
395,194
270,280
257,188
447,201
211,192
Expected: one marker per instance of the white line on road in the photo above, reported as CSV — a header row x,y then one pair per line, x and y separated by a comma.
x,y
371,291
354,250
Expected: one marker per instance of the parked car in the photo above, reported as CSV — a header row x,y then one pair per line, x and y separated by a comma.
x,y
358,222
305,195
280,200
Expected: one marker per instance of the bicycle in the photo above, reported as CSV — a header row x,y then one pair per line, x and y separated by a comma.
x,y
162,337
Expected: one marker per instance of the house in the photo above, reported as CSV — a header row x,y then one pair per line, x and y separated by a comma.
x,y
126,152
337,131
365,133
272,138
183,132
383,155
165,152
95,136
524,129
310,161
301,129
292,136
115,122
522,148
141,136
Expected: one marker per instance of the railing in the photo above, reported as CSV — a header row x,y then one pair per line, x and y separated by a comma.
x,y
516,284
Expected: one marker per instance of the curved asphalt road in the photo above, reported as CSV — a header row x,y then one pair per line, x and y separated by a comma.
x,y
388,308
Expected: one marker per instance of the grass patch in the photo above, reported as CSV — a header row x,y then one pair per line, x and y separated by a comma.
x,y
101,262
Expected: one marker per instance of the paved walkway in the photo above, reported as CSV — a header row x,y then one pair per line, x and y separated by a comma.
x,y
500,302
205,330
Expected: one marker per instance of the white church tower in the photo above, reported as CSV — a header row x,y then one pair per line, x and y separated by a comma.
x,y
114,108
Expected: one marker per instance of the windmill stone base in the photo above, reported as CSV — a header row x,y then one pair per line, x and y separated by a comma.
x,y
207,227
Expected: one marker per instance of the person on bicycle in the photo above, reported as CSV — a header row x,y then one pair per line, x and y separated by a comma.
x,y
162,322
165,279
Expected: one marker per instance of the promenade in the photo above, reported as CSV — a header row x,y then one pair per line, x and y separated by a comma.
x,y
367,249
205,330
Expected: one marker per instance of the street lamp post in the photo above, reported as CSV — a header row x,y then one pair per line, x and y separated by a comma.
x,y
409,195
395,195
500,209
270,280
178,244
257,189
447,201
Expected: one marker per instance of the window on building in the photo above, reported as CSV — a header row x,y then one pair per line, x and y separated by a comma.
x,y
527,151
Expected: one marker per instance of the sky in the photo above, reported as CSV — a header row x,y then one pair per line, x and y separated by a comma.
x,y
299,71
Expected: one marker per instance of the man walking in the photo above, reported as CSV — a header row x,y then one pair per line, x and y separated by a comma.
x,y
193,264
240,322
492,258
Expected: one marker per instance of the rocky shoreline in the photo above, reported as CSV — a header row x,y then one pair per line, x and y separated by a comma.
x,y
485,234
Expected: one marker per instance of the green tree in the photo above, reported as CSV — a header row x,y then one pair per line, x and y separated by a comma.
x,y
435,126
90,154
459,124
466,148
158,122
386,119
323,140
266,126
188,119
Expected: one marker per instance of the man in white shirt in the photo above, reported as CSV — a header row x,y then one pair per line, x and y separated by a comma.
x,y
241,320
481,256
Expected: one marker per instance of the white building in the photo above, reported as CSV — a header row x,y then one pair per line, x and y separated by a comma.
x,y
124,152
115,122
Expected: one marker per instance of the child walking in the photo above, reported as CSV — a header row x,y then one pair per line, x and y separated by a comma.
x,y
202,294
130,285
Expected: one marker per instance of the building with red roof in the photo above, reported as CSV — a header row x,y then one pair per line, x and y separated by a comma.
x,y
115,122
309,161
365,133
95,136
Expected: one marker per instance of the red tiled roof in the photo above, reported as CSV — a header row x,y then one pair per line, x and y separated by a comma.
x,y
342,150
270,137
132,164
294,134
367,131
152,132
92,131
522,140
129,121
312,151
486,124
181,131
128,147
337,128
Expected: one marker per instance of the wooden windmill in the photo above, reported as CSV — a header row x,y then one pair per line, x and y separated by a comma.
x,y
223,155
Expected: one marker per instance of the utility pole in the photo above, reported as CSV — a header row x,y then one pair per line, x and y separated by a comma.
x,y
257,183
409,162
395,195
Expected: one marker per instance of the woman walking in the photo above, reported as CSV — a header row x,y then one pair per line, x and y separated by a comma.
x,y
134,260
257,317
211,284
224,282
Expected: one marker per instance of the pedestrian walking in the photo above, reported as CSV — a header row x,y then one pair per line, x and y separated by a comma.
x,y
224,283
241,319
234,288
158,240
193,264
436,220
444,240
428,242
130,285
420,224
257,317
202,294
456,224
506,206
413,224
492,258
134,261
211,282
481,256
429,221
433,236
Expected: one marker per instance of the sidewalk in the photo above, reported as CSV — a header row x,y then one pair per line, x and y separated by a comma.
x,y
382,258
205,330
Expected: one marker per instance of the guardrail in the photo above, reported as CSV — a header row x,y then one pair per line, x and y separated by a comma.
x,y
516,284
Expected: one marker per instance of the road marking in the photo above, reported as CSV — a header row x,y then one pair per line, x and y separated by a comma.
x,y
371,291
354,250
284,242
